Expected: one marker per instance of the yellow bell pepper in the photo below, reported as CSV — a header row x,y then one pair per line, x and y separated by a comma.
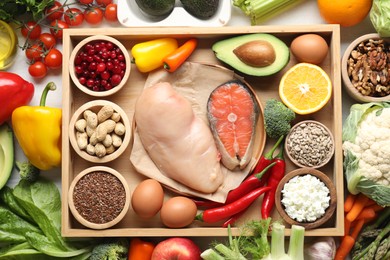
x,y
38,131
149,55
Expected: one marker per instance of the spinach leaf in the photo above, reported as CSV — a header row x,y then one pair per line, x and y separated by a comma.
x,y
21,251
44,245
13,227
42,201
8,198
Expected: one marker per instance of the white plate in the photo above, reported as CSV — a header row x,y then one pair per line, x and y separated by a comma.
x,y
129,15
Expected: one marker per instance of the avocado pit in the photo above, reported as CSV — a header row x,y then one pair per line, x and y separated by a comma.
x,y
257,53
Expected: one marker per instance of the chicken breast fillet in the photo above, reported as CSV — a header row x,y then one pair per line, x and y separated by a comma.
x,y
179,143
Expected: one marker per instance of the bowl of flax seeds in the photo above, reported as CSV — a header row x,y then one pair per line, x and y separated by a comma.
x,y
99,197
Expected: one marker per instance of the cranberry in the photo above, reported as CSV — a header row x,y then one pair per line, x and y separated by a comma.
x,y
100,65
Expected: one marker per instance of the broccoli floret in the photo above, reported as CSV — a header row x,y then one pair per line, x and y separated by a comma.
x,y
115,249
28,171
277,118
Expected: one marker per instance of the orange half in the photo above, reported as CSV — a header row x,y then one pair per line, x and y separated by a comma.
x,y
305,88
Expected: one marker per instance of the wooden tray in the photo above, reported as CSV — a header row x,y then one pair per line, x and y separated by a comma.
x,y
265,87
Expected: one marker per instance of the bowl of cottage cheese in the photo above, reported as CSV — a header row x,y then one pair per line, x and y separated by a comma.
x,y
306,197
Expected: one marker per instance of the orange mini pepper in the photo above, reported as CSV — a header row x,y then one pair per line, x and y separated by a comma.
x,y
175,59
140,249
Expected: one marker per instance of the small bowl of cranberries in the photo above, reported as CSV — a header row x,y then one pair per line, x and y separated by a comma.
x,y
99,65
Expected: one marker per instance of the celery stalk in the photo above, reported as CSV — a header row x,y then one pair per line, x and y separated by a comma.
x,y
261,10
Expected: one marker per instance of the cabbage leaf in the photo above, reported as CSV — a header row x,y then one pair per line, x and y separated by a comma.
x,y
356,182
380,17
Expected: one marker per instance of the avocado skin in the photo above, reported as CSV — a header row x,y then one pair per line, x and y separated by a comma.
x,y
223,50
156,7
202,9
6,153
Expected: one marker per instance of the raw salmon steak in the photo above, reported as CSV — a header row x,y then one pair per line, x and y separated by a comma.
x,y
233,111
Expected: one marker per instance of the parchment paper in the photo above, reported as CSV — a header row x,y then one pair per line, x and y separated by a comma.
x,y
194,81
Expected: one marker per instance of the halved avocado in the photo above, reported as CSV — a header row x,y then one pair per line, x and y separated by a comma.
x,y
225,51
6,153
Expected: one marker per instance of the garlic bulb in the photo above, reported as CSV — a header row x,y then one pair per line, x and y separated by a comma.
x,y
323,248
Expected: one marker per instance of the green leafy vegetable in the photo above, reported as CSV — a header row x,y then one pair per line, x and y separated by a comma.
x,y
366,152
260,10
380,17
10,10
30,224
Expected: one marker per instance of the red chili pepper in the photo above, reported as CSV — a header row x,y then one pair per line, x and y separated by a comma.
x,y
266,160
175,59
276,174
252,182
217,214
14,92
233,219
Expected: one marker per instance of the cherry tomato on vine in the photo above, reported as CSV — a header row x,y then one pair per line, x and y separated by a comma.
x,y
56,28
48,40
37,70
34,52
93,15
55,11
74,16
111,12
85,2
53,59
103,2
31,30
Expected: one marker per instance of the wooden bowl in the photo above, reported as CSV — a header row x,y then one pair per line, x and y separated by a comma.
x,y
350,89
321,176
288,150
87,90
95,106
76,213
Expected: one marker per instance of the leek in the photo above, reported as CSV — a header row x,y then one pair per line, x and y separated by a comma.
x,y
261,10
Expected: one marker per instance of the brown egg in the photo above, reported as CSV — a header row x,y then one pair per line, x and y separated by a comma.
x,y
178,212
310,48
147,198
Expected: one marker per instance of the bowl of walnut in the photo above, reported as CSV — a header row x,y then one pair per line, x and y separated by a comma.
x,y
365,68
99,131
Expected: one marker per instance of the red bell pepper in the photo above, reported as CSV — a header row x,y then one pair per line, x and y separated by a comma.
x,y
14,92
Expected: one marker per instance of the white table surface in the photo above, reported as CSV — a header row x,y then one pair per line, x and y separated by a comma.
x,y
305,13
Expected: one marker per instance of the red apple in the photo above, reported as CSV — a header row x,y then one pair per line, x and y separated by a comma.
x,y
176,248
